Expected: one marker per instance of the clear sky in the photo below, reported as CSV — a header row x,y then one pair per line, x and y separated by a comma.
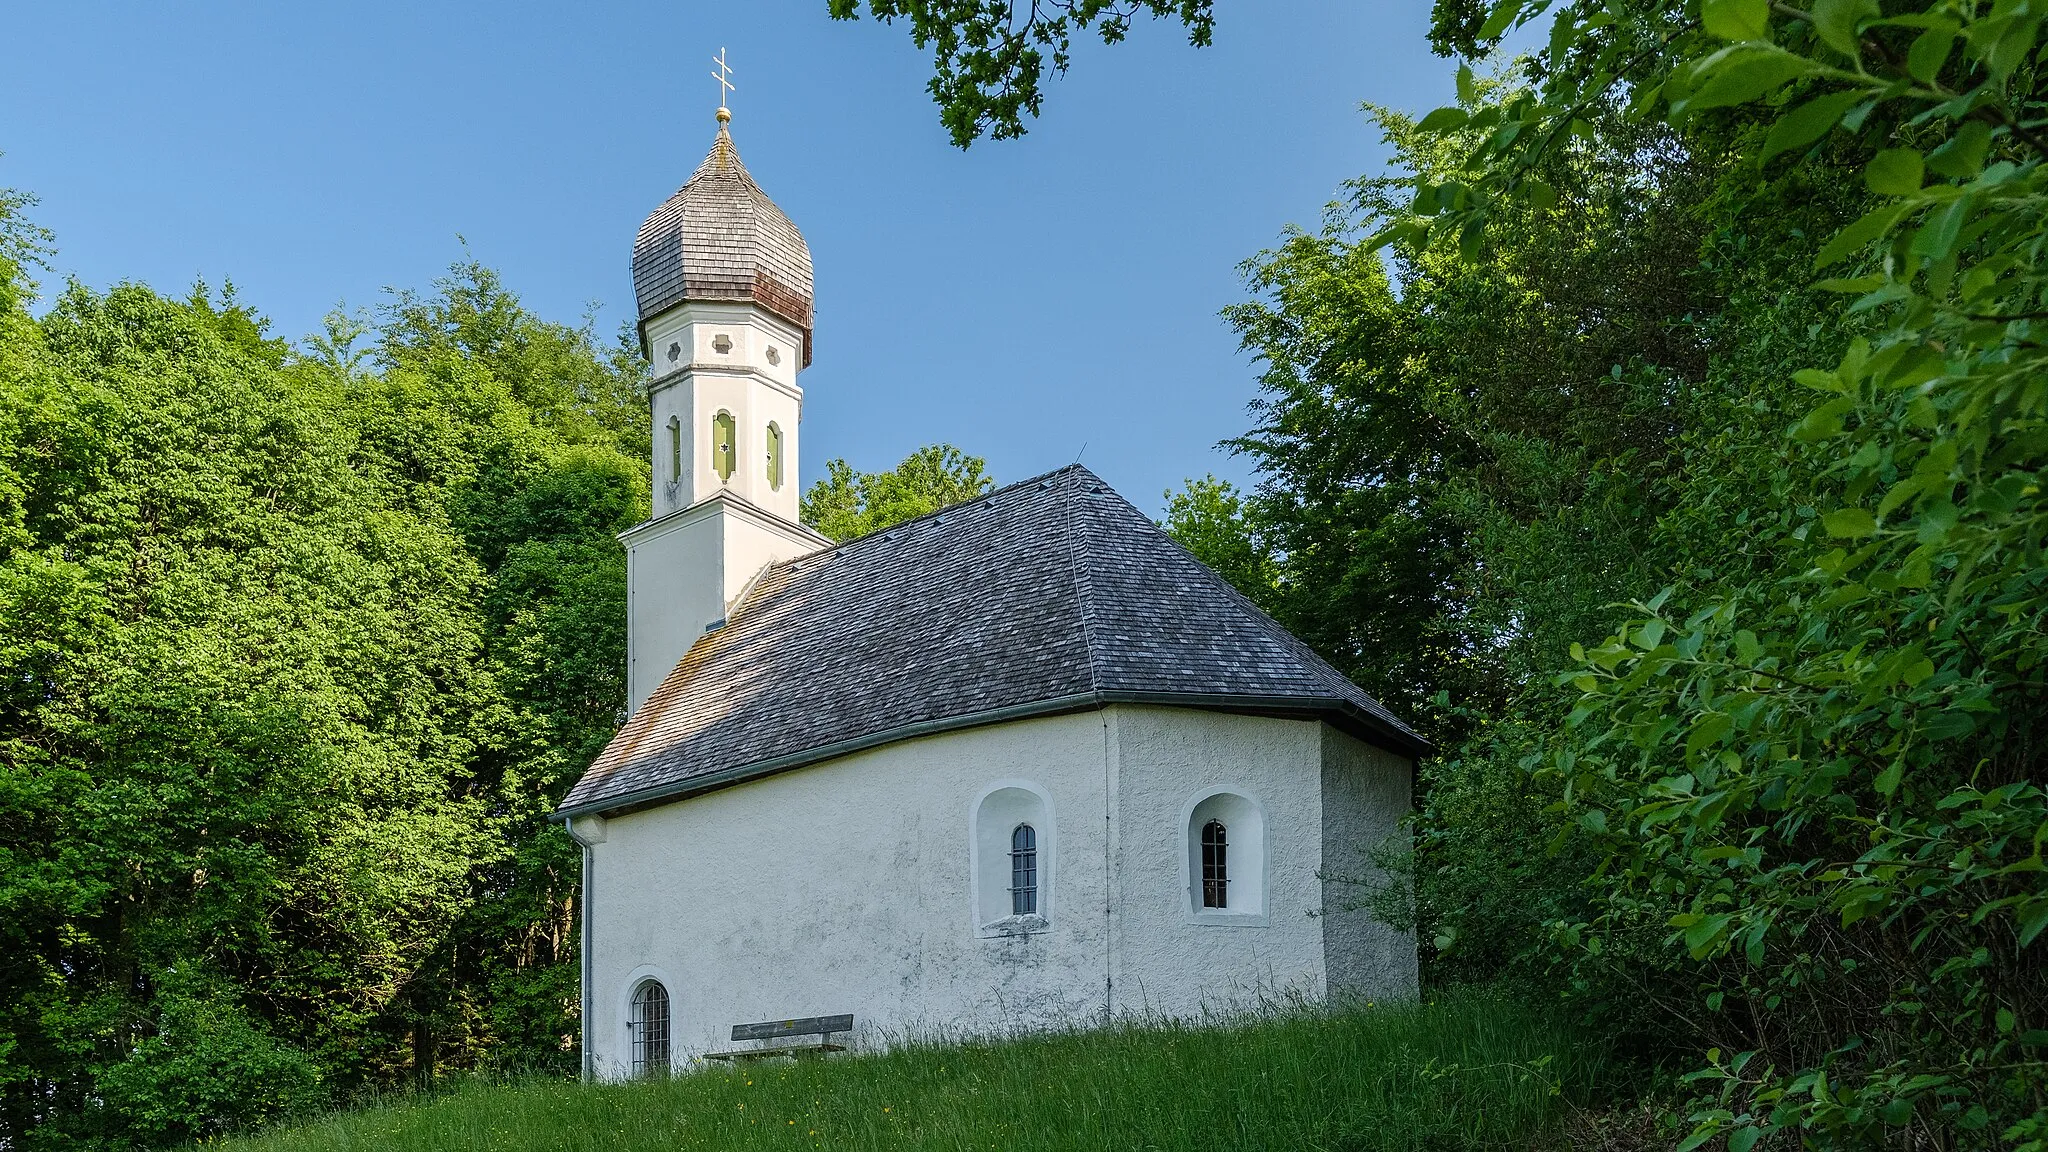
x,y
1019,299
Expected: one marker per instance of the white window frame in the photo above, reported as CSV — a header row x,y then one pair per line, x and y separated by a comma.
x,y
991,820
1248,859
634,980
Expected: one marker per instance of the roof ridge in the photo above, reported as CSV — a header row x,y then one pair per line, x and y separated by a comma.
x,y
950,509
1084,601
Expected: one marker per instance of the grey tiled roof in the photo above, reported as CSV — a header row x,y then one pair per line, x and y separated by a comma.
x,y
720,238
1050,595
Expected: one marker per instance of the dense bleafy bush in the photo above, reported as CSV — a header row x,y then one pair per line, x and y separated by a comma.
x,y
1465,1074
297,648
1728,313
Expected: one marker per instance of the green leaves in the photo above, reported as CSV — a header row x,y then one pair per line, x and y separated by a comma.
x,y
1861,234
1849,523
1895,172
1736,19
1931,50
1444,120
1840,23
1808,122
1785,767
1739,74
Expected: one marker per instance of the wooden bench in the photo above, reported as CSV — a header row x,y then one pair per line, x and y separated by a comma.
x,y
823,1027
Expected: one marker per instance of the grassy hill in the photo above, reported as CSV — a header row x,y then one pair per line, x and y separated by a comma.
x,y
1461,1073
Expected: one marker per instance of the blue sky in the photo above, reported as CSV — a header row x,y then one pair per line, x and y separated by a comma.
x,y
1019,299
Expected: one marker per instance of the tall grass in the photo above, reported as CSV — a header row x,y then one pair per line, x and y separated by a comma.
x,y
1465,1073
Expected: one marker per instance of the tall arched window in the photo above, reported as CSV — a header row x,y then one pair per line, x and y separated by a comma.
x,y
1226,859
774,456
723,440
648,1030
675,449
1024,871
1215,873
1013,853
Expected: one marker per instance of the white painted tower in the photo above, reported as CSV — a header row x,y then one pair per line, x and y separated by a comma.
x,y
723,281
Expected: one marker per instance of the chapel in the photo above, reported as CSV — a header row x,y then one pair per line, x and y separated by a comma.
x,y
1022,763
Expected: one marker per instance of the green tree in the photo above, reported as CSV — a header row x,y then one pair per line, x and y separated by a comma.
x,y
847,503
989,56
299,651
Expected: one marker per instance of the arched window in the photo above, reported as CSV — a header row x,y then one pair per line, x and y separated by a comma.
x,y
723,450
1013,856
648,1030
774,456
1215,876
675,449
1024,871
1227,858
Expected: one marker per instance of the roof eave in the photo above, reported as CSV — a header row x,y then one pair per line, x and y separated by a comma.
x,y
1343,715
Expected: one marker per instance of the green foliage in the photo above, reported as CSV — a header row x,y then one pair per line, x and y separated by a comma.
x,y
297,656
1209,518
203,1067
847,504
1786,821
989,56
1809,771
23,246
1468,1073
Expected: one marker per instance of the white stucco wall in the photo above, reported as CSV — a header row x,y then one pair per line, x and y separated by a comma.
x,y
849,886
845,887
684,571
1173,958
1366,791
701,381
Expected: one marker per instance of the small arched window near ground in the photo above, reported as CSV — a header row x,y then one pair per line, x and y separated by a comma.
x,y
774,456
648,1028
1013,854
1225,858
1023,871
724,436
675,449
1215,872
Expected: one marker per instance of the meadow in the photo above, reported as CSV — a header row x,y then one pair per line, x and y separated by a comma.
x,y
1461,1073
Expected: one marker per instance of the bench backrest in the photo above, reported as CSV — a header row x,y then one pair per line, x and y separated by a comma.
x,y
778,1029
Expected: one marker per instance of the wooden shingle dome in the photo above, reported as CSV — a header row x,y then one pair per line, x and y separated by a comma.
x,y
720,238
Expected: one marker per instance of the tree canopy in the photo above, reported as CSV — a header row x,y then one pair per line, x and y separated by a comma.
x,y
846,503
1667,433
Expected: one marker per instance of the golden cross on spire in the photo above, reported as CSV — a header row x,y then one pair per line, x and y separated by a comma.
x,y
725,85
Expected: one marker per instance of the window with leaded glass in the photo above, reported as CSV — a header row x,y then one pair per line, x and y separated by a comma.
x,y
1215,868
648,1027
1023,870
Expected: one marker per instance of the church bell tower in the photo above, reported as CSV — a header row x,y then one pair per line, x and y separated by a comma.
x,y
723,282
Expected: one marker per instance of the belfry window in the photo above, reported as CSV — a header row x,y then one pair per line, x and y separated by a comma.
x,y
647,1030
774,456
1024,871
675,449
723,439
1215,873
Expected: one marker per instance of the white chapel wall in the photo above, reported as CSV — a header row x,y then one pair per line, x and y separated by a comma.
x,y
1365,794
849,886
845,887
1172,959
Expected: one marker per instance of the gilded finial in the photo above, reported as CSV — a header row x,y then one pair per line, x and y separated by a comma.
x,y
725,85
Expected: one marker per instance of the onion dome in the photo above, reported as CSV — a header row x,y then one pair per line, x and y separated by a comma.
x,y
720,238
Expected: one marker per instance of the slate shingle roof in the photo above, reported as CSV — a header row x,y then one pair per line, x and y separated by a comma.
x,y
1050,595
720,238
